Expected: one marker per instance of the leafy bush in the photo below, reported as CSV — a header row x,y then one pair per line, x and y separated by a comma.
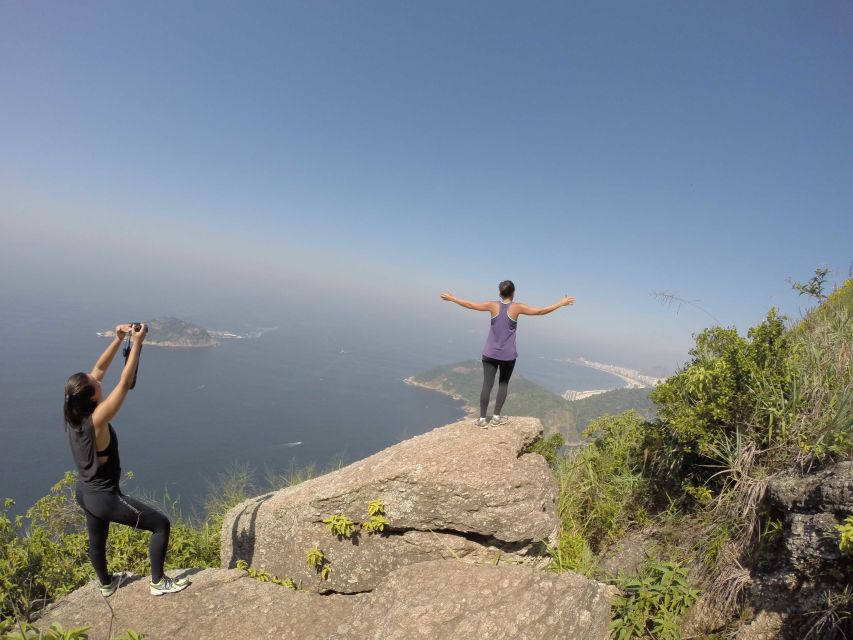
x,y
741,410
548,447
731,383
601,485
44,555
652,602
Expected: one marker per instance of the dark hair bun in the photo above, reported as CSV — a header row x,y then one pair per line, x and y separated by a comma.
x,y
507,289
79,399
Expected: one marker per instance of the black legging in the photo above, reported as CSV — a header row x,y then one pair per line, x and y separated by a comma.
x,y
101,508
490,368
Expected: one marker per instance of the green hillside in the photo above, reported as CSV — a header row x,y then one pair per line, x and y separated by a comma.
x,y
526,398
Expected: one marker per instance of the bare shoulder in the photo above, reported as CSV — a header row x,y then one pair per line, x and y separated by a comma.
x,y
519,309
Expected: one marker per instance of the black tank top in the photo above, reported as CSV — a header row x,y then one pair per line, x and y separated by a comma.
x,y
92,475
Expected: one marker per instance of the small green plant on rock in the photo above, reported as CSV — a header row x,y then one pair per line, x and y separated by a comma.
x,y
376,508
846,541
340,525
262,576
375,524
317,560
377,521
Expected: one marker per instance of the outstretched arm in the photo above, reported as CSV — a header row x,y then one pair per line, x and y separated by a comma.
x,y
476,306
106,359
525,310
107,409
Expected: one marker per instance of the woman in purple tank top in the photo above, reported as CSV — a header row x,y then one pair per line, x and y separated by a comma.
x,y
499,354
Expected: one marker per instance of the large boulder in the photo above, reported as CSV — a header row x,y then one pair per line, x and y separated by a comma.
x,y
455,492
219,605
454,600
438,599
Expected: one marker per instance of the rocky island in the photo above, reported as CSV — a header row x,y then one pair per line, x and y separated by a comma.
x,y
173,332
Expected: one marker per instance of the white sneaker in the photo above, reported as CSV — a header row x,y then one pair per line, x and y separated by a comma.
x,y
499,420
109,589
483,423
167,585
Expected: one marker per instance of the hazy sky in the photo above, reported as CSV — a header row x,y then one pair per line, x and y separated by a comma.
x,y
372,154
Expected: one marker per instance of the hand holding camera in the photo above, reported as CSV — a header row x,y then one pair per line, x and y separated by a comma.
x,y
139,331
136,334
122,330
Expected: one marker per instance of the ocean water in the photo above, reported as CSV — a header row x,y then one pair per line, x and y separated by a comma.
x,y
302,394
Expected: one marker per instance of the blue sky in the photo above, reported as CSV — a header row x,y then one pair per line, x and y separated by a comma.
x,y
607,150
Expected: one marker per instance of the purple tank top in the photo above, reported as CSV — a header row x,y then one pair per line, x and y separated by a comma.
x,y
500,344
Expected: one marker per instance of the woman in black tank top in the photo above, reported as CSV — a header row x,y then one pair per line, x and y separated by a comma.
x,y
94,446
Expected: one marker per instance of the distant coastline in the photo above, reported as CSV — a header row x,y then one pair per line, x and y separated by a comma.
x,y
166,343
469,410
569,416
633,378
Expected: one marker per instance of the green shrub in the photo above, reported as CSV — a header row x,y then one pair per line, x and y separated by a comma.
x,y
601,485
732,383
548,447
43,556
572,553
652,602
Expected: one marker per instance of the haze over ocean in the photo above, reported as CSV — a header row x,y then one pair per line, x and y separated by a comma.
x,y
196,413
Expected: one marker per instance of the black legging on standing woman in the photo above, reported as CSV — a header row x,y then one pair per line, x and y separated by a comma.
x,y
490,368
103,507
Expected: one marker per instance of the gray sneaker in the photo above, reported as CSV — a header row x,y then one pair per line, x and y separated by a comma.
x,y
109,589
483,423
498,420
167,585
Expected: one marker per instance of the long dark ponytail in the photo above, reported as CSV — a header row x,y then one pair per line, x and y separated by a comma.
x,y
79,399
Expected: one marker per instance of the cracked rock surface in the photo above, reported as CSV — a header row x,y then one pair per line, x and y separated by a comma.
x,y
450,599
455,492
219,605
444,599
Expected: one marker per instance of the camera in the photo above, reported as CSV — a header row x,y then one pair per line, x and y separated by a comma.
x,y
135,327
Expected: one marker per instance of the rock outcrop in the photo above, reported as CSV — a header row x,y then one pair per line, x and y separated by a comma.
x,y
218,605
814,506
469,513
806,563
450,599
455,492
444,599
